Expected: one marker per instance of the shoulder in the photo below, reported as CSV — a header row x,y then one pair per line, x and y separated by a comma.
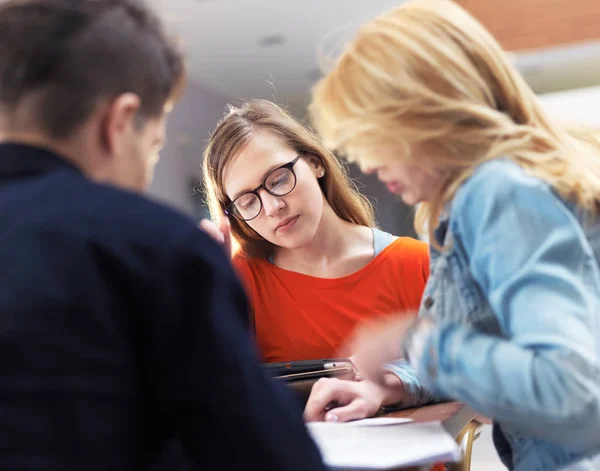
x,y
503,204
242,265
139,217
249,270
409,247
408,258
497,182
246,263
248,267
134,208
130,225
409,252
84,201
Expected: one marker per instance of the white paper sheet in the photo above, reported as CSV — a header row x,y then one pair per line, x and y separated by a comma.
x,y
369,422
383,446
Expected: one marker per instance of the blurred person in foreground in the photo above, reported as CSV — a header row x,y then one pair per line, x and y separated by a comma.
x,y
120,325
424,97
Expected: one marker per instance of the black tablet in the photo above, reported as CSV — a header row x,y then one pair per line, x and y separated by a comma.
x,y
311,369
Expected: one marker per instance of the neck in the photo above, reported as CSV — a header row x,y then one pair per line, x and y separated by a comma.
x,y
335,248
70,150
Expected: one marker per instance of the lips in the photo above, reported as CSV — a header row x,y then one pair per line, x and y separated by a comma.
x,y
285,223
393,187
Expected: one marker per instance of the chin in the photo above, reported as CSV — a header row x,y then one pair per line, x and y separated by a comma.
x,y
296,240
301,235
293,242
411,200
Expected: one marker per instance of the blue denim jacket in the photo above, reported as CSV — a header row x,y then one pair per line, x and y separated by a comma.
x,y
516,304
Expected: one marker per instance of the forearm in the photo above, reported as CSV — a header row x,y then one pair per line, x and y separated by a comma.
x,y
394,391
413,392
549,393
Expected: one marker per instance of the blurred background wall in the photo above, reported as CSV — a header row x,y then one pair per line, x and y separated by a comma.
x,y
243,49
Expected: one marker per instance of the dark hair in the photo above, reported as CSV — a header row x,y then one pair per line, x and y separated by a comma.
x,y
70,54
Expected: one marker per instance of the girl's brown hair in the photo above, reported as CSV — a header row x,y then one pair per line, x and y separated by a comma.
x,y
231,135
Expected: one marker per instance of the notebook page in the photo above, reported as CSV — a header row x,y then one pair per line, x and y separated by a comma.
x,y
347,446
377,421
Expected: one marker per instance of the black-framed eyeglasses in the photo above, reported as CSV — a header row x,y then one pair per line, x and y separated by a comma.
x,y
279,182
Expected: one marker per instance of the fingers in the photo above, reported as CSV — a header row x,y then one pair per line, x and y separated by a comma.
x,y
324,393
354,375
367,345
369,365
340,401
220,234
359,408
376,343
225,228
212,230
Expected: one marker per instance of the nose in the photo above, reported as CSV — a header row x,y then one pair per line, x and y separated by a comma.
x,y
271,204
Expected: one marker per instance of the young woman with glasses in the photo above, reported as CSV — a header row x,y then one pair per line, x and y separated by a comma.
x,y
312,261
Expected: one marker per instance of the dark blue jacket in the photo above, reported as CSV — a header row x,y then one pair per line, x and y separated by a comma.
x,y
121,329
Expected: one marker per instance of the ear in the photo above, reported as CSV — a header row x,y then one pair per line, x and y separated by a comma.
x,y
316,165
119,119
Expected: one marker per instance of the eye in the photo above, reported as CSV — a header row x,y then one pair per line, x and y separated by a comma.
x,y
279,178
246,201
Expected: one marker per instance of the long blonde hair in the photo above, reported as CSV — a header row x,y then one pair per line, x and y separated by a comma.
x,y
428,75
236,129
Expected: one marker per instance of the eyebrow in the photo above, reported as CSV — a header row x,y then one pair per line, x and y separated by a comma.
x,y
262,179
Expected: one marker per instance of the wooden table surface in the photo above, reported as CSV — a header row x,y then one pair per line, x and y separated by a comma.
x,y
455,416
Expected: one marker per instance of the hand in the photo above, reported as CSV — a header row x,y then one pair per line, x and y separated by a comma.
x,y
352,400
376,343
356,376
220,234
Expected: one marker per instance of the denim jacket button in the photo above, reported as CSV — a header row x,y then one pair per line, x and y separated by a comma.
x,y
428,303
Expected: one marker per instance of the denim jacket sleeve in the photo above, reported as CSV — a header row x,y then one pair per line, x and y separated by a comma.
x,y
415,393
528,253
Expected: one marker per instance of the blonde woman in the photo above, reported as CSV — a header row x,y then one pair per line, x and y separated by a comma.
x,y
312,261
426,98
